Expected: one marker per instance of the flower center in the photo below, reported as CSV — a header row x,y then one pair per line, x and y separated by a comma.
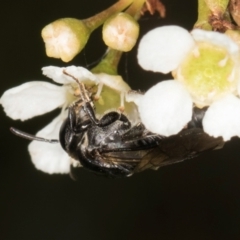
x,y
207,73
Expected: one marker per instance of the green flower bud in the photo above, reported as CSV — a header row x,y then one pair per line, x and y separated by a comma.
x,y
120,32
65,38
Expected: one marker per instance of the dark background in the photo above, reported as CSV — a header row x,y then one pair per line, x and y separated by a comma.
x,y
196,199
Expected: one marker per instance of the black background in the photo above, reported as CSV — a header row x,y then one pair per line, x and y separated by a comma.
x,y
196,199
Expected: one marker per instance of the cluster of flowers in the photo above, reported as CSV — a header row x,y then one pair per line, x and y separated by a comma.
x,y
204,65
64,39
205,68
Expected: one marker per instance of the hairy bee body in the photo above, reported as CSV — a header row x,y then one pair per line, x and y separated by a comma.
x,y
111,146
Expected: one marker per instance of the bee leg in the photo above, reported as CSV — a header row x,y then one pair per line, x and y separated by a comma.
x,y
72,117
90,111
109,118
74,120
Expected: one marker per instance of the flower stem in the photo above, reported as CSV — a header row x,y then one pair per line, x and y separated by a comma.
x,y
109,63
218,7
203,16
95,21
135,9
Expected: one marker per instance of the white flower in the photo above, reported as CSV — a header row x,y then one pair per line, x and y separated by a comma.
x,y
207,65
112,90
36,98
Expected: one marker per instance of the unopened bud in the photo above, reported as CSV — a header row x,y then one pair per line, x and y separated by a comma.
x,y
65,38
120,32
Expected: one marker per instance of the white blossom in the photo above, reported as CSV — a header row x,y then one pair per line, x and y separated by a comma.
x,y
207,65
38,97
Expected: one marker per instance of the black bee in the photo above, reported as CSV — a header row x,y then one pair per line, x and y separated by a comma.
x,y
111,146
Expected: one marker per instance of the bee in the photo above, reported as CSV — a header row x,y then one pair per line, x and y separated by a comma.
x,y
112,146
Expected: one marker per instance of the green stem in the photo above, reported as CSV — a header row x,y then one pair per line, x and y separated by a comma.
x,y
109,63
135,9
218,7
203,16
94,22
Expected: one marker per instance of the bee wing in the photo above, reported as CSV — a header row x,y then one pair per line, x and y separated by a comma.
x,y
185,145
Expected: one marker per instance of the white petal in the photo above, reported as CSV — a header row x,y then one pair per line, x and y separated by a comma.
x,y
163,48
115,82
222,119
216,38
238,83
47,157
166,108
133,96
32,99
57,75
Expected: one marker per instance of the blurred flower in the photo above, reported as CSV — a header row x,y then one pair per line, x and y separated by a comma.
x,y
120,32
65,38
207,66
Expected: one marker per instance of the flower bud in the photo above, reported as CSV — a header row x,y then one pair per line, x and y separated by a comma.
x,y
65,38
120,32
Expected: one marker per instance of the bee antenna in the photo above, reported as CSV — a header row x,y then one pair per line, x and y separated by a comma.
x,y
31,137
83,91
